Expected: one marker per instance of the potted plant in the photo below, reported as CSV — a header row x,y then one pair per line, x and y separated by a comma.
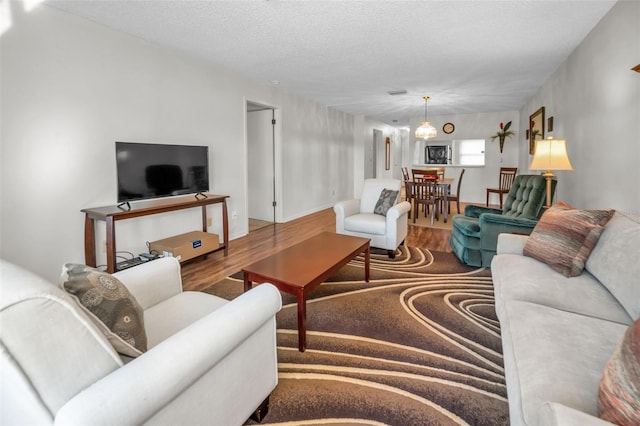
x,y
503,133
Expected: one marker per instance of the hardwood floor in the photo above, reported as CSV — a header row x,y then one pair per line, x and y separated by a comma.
x,y
270,239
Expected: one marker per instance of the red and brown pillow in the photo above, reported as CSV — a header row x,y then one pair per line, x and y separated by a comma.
x,y
564,237
619,395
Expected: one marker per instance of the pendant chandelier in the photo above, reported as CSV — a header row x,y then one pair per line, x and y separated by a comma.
x,y
426,130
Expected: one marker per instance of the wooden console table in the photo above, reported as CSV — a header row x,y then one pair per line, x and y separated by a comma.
x,y
111,214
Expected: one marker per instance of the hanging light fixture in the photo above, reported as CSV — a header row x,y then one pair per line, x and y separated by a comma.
x,y
426,130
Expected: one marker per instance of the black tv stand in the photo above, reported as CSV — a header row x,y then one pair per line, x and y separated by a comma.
x,y
122,205
201,196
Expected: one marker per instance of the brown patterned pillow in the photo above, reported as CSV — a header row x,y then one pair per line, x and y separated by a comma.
x,y
564,237
619,396
110,306
386,201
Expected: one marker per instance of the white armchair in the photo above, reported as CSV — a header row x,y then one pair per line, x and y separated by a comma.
x,y
357,218
209,360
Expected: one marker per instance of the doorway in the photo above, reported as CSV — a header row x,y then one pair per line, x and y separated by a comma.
x,y
261,165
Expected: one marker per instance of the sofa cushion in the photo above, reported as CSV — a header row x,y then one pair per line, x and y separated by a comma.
x,y
468,226
525,279
386,200
366,223
619,397
564,238
614,260
110,305
553,355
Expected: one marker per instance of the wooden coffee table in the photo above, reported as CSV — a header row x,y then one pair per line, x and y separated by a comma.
x,y
301,268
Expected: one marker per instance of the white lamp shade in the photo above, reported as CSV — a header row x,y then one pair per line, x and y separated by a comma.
x,y
551,154
426,131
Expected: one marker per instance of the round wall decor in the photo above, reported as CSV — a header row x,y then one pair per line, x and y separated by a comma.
x,y
448,128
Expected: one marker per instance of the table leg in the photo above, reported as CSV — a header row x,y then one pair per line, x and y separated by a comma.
x,y
367,261
204,219
89,242
302,320
445,203
111,245
225,227
247,283
445,206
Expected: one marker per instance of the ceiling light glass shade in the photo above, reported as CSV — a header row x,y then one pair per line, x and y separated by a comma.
x,y
551,154
426,131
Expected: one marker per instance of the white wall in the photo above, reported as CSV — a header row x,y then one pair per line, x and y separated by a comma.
x,y
70,88
317,156
594,99
477,126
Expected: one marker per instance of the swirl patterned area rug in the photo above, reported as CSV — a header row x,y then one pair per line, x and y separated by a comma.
x,y
417,345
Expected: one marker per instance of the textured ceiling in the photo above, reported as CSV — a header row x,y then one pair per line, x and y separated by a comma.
x,y
468,56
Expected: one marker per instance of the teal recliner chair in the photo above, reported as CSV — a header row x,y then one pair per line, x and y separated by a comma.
x,y
474,235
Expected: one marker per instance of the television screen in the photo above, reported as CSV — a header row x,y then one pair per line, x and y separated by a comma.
x,y
148,170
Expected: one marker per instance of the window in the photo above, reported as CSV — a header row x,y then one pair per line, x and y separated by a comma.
x,y
468,152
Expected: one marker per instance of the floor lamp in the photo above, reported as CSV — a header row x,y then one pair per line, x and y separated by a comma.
x,y
550,154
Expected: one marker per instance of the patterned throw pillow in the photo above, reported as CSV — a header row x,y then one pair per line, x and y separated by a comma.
x,y
386,201
110,306
619,396
564,237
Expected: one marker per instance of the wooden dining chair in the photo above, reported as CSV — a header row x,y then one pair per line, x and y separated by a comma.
x,y
423,193
456,197
405,174
405,178
507,175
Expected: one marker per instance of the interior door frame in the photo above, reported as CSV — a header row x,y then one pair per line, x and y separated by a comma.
x,y
277,158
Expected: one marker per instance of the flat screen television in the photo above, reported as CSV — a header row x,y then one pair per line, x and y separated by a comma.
x,y
149,170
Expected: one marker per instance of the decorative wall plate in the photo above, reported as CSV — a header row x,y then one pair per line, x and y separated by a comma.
x,y
448,128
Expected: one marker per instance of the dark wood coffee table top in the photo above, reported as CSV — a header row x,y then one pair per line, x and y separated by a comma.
x,y
302,267
317,258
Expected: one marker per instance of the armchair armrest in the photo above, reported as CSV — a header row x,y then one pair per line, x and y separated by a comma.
x,y
347,208
398,210
344,209
492,225
511,244
154,281
475,211
518,224
146,386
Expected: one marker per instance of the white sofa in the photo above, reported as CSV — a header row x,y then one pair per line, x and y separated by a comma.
x,y
209,360
558,333
356,217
